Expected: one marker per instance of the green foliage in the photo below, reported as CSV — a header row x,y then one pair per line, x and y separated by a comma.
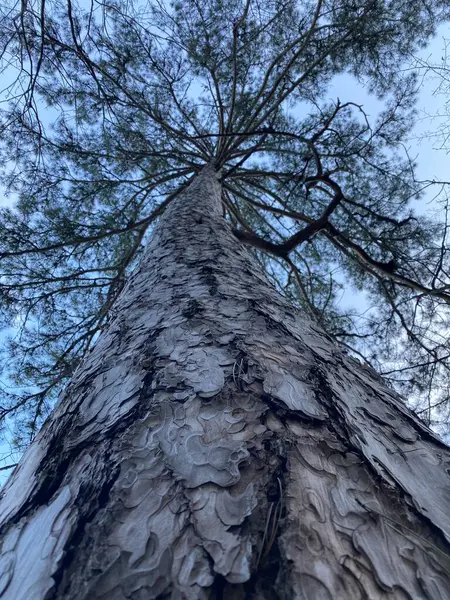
x,y
114,107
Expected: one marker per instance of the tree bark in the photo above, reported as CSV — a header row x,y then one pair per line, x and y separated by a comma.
x,y
217,444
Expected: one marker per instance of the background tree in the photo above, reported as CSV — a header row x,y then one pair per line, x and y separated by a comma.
x,y
215,442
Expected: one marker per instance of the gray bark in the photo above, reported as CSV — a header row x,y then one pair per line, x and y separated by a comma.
x,y
217,444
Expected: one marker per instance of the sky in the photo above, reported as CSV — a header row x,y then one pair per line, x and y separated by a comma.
x,y
432,160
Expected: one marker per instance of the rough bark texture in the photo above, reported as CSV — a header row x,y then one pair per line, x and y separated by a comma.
x,y
217,444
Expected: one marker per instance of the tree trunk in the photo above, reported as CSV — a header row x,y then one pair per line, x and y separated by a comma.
x,y
217,444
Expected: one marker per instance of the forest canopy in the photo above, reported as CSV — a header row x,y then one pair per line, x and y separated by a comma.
x,y
111,108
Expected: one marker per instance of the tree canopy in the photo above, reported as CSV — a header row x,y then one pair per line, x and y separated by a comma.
x,y
113,107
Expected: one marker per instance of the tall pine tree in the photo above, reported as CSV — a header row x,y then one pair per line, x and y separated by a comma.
x,y
213,440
